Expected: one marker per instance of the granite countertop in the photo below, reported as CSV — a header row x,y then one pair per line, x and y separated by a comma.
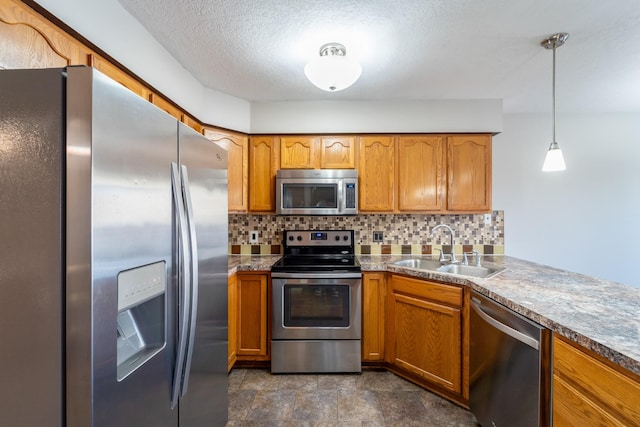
x,y
597,314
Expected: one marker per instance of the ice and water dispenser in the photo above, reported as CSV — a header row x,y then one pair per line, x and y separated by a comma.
x,y
141,316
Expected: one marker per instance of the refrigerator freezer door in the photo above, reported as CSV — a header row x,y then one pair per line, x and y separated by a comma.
x,y
205,402
119,217
31,261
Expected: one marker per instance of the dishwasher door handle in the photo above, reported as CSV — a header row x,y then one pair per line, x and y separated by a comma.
x,y
523,338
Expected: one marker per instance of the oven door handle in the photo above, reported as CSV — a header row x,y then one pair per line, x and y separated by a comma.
x,y
318,275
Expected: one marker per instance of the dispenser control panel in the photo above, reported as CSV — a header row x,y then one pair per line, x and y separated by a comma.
x,y
141,284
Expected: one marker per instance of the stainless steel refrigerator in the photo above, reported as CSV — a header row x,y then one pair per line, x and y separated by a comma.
x,y
113,258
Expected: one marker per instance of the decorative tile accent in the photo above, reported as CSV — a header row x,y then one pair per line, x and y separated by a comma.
x,y
403,233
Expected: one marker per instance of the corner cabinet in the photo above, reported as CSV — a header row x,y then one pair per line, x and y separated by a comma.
x,y
264,161
425,332
589,391
252,316
469,173
237,146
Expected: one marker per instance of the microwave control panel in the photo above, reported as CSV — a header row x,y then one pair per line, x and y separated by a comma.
x,y
350,195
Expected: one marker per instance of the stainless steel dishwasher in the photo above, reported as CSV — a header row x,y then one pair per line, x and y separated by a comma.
x,y
509,376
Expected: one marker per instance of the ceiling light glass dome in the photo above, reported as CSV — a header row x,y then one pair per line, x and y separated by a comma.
x,y
332,70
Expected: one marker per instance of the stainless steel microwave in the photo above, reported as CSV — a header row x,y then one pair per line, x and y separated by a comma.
x,y
317,192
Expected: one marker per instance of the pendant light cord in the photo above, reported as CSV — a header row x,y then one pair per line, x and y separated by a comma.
x,y
553,96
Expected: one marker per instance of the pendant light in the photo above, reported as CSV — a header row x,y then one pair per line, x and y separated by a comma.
x,y
332,70
554,160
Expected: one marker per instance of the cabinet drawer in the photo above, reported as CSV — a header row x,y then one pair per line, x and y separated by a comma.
x,y
440,292
593,383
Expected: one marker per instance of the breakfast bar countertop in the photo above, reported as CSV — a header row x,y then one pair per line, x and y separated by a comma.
x,y
597,314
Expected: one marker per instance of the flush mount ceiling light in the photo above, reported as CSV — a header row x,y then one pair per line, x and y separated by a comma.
x,y
554,160
332,70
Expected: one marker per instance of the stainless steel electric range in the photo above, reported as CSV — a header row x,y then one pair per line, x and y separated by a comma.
x,y
317,306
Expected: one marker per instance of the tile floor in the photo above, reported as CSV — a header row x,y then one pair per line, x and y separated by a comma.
x,y
370,399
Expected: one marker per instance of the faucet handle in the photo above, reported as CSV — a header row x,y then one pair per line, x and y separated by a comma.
x,y
442,257
477,254
465,258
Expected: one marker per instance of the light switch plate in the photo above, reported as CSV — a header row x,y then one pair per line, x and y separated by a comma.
x,y
253,237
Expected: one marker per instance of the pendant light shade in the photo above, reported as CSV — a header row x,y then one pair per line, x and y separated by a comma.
x,y
332,70
554,161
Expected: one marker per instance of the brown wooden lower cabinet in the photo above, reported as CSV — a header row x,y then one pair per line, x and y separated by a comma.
x,y
374,290
424,332
589,391
232,310
252,315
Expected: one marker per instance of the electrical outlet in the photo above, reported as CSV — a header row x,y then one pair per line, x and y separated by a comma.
x,y
253,236
487,219
378,236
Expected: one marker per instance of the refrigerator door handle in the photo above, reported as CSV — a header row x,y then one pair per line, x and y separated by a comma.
x,y
184,289
194,277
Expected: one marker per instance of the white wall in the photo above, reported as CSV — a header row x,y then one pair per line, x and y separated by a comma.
x,y
585,219
110,27
377,116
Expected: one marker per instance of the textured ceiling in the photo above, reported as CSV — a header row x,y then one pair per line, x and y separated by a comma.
x,y
410,49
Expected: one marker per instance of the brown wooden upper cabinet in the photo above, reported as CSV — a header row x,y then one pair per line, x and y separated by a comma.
x,y
310,152
298,152
337,152
420,171
264,161
376,173
237,146
469,173
425,173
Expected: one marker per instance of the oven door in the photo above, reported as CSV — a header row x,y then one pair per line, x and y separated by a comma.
x,y
312,307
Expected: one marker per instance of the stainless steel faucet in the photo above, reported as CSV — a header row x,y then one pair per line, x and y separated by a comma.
x,y
453,255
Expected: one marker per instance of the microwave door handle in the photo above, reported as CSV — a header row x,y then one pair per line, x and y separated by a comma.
x,y
341,202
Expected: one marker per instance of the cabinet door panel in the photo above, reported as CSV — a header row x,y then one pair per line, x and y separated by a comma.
x,y
424,331
232,301
263,164
252,314
337,153
298,152
373,298
428,340
469,173
237,147
420,173
587,391
376,173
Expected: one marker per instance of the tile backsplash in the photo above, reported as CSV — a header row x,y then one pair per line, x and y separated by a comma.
x,y
401,233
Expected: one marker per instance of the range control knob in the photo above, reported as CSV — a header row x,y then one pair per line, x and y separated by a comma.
x,y
299,238
345,237
337,237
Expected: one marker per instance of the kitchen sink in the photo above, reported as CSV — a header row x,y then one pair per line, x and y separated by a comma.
x,y
419,263
459,269
470,270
